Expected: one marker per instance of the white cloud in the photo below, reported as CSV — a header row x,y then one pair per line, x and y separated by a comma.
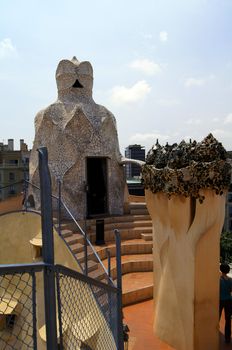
x,y
228,119
122,94
168,102
163,36
194,82
198,82
149,138
224,136
193,121
216,120
7,49
147,36
146,66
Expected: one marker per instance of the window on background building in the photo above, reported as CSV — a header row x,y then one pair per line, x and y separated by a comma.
x,y
230,197
11,190
230,225
230,211
11,176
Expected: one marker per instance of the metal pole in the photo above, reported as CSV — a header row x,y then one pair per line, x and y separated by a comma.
x,y
109,263
59,207
119,290
26,195
110,293
85,238
86,254
48,249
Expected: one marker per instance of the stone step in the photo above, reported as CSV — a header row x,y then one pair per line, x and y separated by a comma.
x,y
136,246
92,266
124,225
131,263
147,236
80,238
139,211
136,287
70,240
81,255
98,274
126,234
118,219
77,247
66,233
137,205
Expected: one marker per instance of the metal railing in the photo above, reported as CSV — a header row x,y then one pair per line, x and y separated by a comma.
x,y
97,321
88,249
87,252
12,165
80,322
85,323
18,306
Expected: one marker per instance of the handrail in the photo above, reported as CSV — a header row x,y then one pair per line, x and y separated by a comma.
x,y
88,241
26,268
68,247
81,231
75,274
12,184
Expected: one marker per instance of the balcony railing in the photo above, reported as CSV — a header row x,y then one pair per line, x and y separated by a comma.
x,y
10,165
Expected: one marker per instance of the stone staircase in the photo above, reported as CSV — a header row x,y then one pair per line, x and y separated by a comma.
x,y
136,249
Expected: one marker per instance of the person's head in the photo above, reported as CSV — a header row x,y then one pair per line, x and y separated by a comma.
x,y
225,268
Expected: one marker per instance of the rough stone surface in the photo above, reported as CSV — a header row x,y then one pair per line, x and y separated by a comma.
x,y
74,128
186,168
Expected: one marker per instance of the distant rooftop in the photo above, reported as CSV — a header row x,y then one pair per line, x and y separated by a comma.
x,y
10,145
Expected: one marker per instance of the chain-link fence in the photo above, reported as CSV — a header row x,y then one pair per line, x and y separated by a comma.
x,y
17,308
86,314
86,322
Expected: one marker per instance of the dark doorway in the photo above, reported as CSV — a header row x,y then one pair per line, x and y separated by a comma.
x,y
97,186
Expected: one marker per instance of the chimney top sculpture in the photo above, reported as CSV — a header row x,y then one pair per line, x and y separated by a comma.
x,y
82,142
185,168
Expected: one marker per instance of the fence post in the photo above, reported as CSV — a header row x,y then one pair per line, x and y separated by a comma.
x,y
86,253
59,207
25,193
109,263
48,249
119,290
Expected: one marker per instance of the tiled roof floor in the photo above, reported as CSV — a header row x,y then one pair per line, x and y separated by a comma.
x,y
139,318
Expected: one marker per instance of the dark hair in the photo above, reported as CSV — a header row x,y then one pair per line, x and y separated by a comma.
x,y
225,268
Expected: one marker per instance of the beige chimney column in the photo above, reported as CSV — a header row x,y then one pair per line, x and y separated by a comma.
x,y
187,207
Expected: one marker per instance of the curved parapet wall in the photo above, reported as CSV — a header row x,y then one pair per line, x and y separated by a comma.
x,y
19,232
185,194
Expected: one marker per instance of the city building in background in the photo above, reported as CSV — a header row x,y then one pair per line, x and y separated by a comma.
x,y
134,152
14,167
133,171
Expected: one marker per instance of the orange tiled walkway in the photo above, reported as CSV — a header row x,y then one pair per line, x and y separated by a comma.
x,y
139,318
135,280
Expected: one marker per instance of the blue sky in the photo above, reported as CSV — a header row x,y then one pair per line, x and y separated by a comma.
x,y
164,67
